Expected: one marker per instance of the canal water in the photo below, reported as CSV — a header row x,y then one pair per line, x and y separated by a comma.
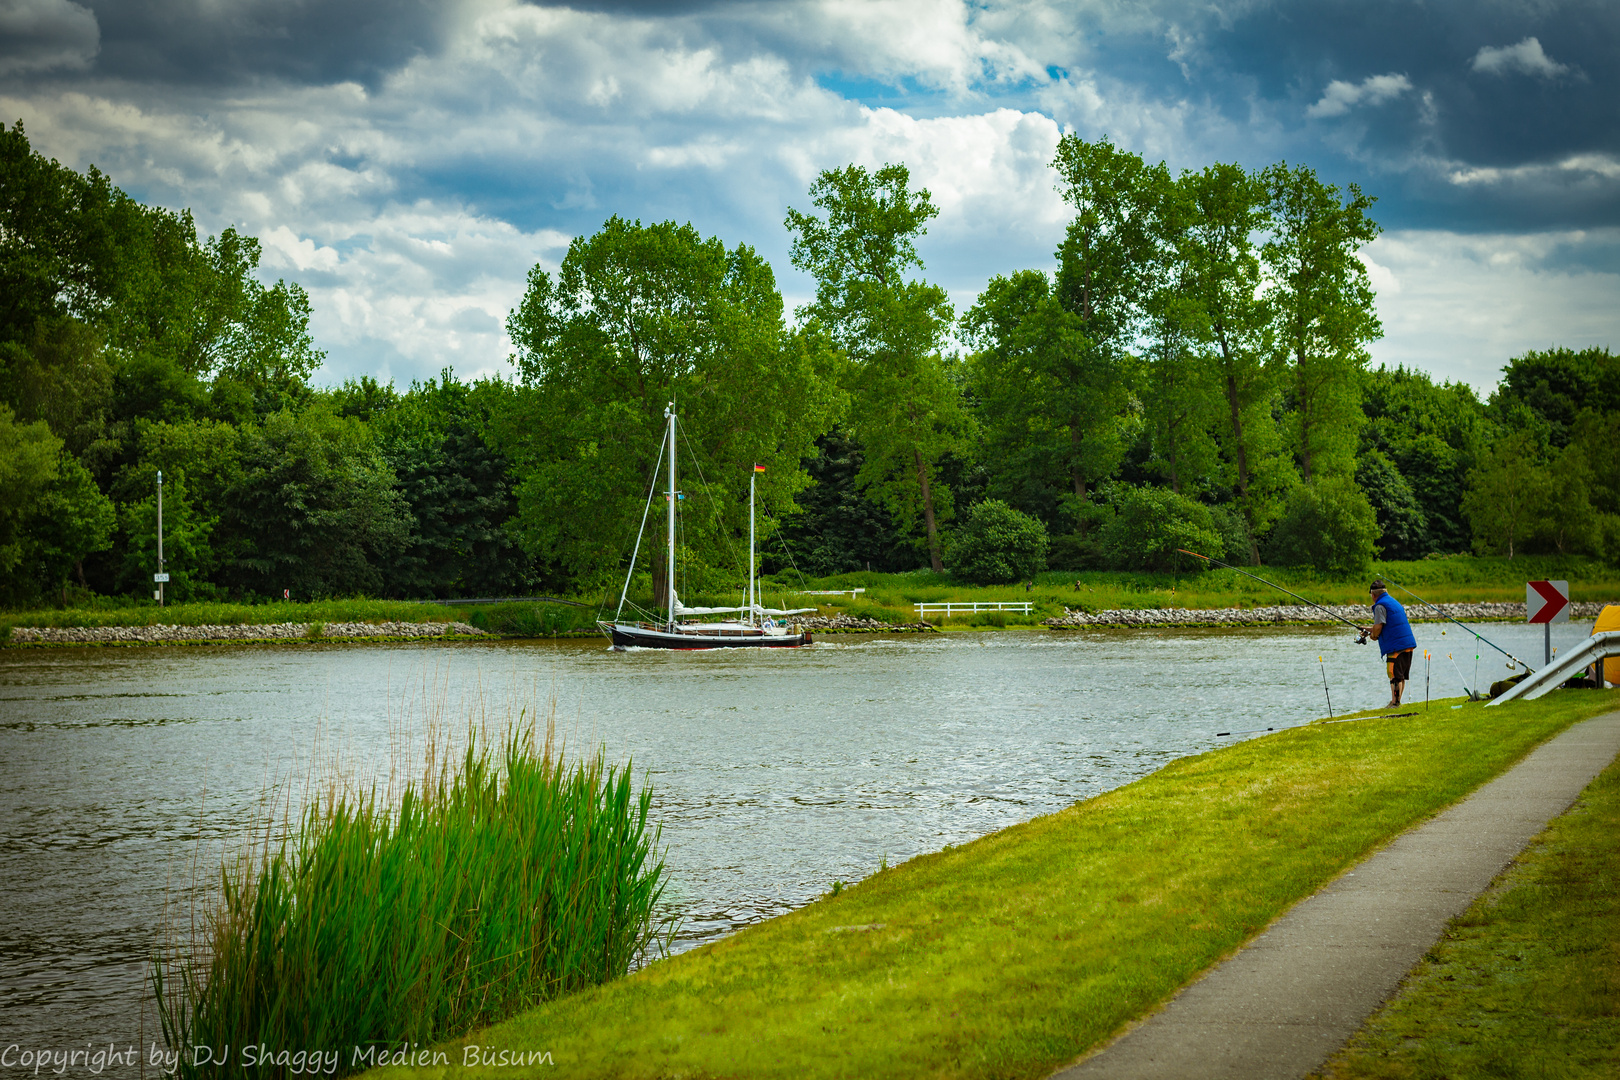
x,y
776,772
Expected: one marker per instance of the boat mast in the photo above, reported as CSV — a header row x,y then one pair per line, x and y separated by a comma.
x,y
670,413
751,474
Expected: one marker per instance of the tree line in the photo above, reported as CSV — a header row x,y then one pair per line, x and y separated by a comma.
x,y
1191,372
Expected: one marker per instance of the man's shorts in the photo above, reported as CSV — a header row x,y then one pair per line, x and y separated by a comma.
x,y
1400,665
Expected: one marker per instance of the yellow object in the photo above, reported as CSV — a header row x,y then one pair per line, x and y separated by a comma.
x,y
1609,619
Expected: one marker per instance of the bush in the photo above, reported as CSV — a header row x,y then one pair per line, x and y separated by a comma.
x,y
1148,525
511,880
1328,524
997,545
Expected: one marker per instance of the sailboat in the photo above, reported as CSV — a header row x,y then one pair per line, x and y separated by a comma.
x,y
756,627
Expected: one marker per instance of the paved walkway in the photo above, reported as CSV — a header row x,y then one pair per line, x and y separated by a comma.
x,y
1292,997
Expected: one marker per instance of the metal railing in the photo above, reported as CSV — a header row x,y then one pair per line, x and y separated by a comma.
x,y
829,592
1022,607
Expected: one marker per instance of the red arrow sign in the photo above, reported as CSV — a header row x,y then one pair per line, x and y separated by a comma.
x,y
1546,601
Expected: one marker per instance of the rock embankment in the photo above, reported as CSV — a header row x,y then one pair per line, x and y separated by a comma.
x,y
849,624
1293,614
158,635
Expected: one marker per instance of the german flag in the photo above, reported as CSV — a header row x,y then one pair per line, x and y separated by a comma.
x,y
759,468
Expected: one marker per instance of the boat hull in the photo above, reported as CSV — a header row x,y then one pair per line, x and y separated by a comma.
x,y
627,636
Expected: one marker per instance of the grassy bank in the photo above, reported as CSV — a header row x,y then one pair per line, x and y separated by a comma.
x,y
1527,981
514,620
1461,579
1011,955
481,890
889,597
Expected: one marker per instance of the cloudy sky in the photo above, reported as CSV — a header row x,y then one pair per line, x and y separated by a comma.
x,y
408,161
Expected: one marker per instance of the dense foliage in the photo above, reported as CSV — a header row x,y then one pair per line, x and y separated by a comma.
x,y
1192,372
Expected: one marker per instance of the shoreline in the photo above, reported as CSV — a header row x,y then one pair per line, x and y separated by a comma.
x,y
1295,614
1073,619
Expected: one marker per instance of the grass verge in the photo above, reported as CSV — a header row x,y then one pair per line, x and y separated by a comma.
x,y
1009,956
1461,579
1526,982
485,889
147,613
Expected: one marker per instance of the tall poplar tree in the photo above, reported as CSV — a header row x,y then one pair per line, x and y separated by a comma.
x,y
1228,207
1105,269
1322,306
904,408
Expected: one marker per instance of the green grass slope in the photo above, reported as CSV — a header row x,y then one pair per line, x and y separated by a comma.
x,y
1011,955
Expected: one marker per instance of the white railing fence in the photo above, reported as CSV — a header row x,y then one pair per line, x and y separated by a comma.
x,y
946,610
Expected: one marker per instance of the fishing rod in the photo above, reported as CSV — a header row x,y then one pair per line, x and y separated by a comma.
x,y
1472,696
1333,614
1448,618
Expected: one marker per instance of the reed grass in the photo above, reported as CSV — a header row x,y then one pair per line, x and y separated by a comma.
x,y
499,882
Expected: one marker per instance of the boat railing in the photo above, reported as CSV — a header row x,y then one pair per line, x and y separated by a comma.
x,y
1022,607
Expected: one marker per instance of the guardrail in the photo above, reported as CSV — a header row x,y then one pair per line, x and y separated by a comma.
x,y
1022,607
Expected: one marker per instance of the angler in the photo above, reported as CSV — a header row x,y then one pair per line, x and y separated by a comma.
x,y
1393,633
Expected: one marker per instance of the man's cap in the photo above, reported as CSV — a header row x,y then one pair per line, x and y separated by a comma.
x,y
1376,586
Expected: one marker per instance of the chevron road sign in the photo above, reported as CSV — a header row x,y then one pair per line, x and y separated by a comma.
x,y
1546,601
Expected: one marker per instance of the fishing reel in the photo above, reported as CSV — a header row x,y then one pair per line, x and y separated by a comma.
x,y
1362,640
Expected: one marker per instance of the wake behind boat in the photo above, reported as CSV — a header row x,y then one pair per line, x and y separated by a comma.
x,y
757,627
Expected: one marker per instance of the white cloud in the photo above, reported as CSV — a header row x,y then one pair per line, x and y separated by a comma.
x,y
1340,97
1526,58
1577,168
1467,304
42,35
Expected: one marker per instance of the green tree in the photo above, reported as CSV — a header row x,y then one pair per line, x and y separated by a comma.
x,y
1597,436
61,376
29,461
75,246
1106,267
1401,520
1558,385
1055,411
72,520
1322,304
996,545
458,492
1148,526
1507,491
1225,208
839,528
1180,392
638,317
905,409
315,510
189,557
1327,524
1432,433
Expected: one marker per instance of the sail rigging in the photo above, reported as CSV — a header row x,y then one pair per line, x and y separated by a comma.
x,y
758,627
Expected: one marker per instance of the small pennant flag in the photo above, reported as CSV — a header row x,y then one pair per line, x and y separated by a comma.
x,y
759,468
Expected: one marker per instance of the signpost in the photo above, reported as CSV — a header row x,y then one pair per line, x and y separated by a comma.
x,y
1546,602
160,577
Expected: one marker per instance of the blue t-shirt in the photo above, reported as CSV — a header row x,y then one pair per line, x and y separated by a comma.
x,y
1397,632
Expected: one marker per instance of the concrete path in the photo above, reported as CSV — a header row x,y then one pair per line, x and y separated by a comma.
x,y
1292,997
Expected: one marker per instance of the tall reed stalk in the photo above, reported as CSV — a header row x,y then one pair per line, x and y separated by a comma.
x,y
492,886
